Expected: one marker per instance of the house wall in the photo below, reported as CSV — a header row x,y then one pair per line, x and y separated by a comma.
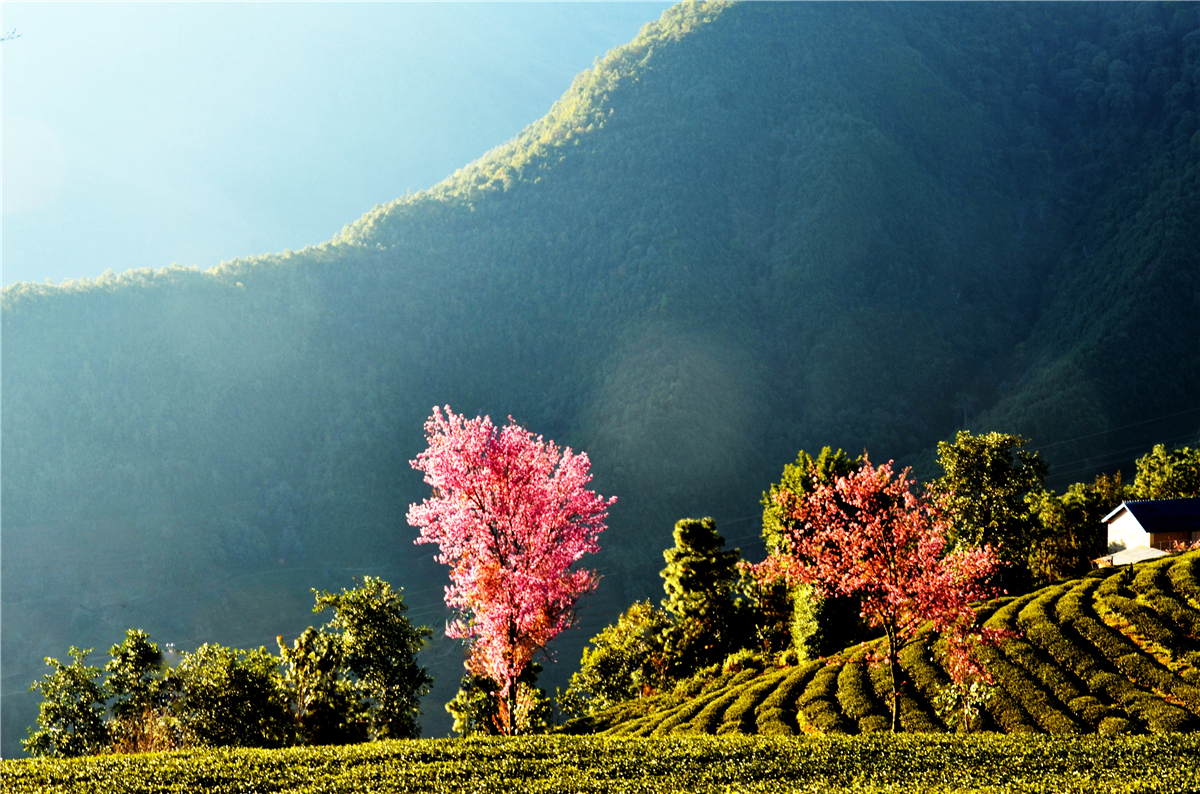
x,y
1165,540
1127,532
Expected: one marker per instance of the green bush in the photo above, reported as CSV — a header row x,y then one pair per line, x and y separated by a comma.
x,y
1090,709
1185,578
855,693
740,716
915,716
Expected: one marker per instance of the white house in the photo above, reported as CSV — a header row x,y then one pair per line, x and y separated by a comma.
x,y
1154,523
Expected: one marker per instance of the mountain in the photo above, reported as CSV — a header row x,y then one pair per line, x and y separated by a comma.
x,y
756,228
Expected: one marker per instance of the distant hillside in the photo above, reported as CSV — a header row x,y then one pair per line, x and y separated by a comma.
x,y
753,229
1115,652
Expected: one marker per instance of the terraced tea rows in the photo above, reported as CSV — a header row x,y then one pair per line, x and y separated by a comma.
x,y
1117,651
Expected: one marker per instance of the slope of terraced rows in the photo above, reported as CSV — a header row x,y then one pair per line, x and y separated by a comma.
x,y
1117,651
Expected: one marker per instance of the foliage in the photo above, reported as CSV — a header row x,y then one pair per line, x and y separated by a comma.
x,y
812,624
476,707
1168,475
987,479
231,698
626,660
917,764
869,536
1112,652
379,650
354,679
1072,534
320,695
511,514
700,581
138,697
800,478
71,714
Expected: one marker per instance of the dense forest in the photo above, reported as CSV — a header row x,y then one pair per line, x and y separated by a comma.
x,y
754,229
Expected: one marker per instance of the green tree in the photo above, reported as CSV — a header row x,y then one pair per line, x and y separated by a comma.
x,y
71,715
320,695
987,480
476,709
138,696
1072,533
1168,475
798,479
379,650
626,661
700,580
231,698
798,616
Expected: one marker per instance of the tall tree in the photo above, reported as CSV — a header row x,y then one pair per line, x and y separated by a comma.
x,y
798,616
700,580
357,678
984,490
869,536
511,514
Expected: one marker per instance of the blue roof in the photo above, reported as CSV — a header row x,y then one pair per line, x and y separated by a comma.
x,y
1164,515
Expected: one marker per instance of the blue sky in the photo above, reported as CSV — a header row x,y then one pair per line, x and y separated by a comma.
x,y
143,134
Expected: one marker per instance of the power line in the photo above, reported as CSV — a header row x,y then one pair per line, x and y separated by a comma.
x,y
1123,427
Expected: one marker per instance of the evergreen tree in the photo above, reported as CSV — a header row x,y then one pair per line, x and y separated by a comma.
x,y
700,580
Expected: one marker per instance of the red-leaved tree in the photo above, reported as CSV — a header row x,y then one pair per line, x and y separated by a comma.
x,y
511,514
869,536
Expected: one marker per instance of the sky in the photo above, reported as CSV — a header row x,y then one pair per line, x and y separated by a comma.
x,y
145,134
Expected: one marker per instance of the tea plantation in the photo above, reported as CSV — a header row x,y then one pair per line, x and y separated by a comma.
x,y
881,763
1117,651
1115,654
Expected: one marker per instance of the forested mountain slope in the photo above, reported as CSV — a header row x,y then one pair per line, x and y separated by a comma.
x,y
755,228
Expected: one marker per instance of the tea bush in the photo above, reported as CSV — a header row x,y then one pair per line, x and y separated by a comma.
x,y
924,764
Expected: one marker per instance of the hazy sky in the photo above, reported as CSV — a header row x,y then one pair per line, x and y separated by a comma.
x,y
142,134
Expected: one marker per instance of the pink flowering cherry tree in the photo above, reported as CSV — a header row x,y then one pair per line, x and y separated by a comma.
x,y
511,514
868,535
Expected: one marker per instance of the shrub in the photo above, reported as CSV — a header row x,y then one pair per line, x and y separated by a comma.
x,y
855,693
1114,725
740,716
1185,578
626,661
913,715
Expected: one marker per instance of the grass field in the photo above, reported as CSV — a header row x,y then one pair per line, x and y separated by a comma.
x,y
929,764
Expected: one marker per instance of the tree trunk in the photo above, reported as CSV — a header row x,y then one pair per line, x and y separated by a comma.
x,y
512,709
897,684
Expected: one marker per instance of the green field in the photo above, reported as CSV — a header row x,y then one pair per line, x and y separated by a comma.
x,y
1114,652
927,764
